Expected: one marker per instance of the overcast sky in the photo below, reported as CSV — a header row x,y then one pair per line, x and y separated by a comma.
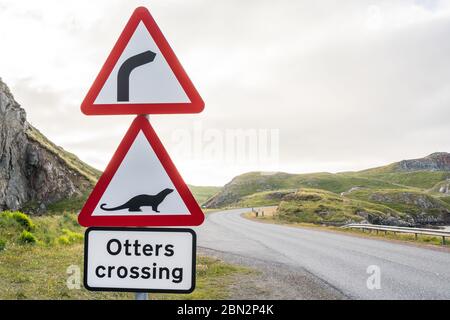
x,y
341,85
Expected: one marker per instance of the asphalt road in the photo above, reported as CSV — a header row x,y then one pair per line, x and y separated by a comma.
x,y
341,261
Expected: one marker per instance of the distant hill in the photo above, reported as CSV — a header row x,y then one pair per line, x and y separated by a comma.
x,y
203,193
438,161
408,192
253,182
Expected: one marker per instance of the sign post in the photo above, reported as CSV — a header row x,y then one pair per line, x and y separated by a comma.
x,y
141,295
141,187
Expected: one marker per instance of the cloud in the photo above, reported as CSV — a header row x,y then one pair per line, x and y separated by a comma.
x,y
348,86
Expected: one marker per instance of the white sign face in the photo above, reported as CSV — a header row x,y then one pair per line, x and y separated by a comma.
x,y
140,184
140,259
148,77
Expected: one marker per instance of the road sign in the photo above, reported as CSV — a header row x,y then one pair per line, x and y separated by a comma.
x,y
140,260
142,75
141,186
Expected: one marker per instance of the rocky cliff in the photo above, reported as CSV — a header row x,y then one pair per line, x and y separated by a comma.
x,y
438,161
33,171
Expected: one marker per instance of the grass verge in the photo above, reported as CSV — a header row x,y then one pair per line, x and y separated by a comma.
x,y
40,268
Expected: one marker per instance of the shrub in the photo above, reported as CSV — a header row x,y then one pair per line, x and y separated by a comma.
x,y
64,240
69,219
2,244
69,237
6,219
27,237
23,220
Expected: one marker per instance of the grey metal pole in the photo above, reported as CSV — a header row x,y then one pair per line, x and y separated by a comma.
x,y
141,295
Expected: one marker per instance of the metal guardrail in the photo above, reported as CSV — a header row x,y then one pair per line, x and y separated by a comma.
x,y
416,231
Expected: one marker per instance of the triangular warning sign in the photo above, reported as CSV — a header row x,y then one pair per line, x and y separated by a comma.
x,y
142,75
141,186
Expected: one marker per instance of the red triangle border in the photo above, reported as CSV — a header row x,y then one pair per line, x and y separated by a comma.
x,y
85,218
196,104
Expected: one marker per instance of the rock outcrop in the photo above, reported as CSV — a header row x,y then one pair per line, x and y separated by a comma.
x,y
422,208
444,187
438,161
32,169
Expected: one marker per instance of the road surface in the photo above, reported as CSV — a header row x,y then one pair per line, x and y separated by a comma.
x,y
339,260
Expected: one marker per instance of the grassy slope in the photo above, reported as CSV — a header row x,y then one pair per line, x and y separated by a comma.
x,y
254,182
251,183
445,199
203,193
418,179
256,189
404,194
265,198
397,199
39,270
327,181
319,206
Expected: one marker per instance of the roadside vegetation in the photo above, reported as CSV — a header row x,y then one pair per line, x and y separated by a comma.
x,y
38,254
35,254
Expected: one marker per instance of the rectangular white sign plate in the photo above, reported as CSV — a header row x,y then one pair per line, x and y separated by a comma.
x,y
140,259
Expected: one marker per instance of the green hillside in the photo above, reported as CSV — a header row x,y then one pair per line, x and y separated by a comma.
x,y
265,198
409,192
417,179
319,206
445,199
40,254
203,193
250,183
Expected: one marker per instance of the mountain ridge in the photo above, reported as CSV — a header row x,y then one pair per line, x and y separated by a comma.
x,y
436,161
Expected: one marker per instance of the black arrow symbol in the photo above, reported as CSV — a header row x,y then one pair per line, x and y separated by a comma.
x,y
123,77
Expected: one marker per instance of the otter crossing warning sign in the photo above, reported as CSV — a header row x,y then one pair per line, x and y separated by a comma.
x,y
141,186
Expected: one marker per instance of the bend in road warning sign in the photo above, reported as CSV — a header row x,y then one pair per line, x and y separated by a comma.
x,y
142,75
141,186
140,260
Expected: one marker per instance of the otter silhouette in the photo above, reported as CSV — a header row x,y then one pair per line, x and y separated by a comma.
x,y
142,200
